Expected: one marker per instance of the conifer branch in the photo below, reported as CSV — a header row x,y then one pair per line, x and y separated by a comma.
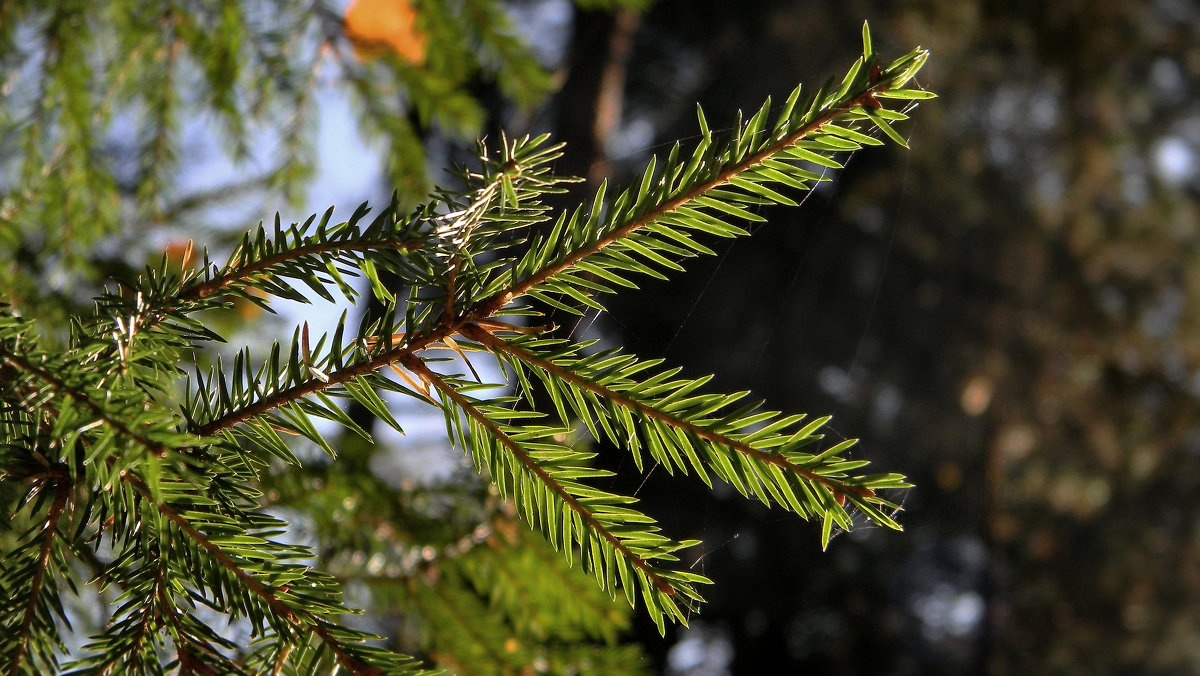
x,y
245,273
727,175
546,478
101,414
156,596
135,649
98,417
308,387
501,347
62,492
298,617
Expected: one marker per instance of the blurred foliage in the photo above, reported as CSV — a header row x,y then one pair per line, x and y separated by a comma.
x,y
107,105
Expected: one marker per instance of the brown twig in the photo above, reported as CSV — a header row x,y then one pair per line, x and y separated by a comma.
x,y
610,94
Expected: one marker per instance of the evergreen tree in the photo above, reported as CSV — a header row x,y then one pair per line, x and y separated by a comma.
x,y
140,474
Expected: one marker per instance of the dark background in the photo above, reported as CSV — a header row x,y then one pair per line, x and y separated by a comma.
x,y
1006,313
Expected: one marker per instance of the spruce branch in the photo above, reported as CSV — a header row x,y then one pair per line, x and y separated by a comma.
x,y
119,422
698,195
582,513
293,612
643,230
35,610
300,252
505,199
62,486
94,430
705,423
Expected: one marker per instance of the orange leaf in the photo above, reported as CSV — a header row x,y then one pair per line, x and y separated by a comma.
x,y
179,254
376,26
